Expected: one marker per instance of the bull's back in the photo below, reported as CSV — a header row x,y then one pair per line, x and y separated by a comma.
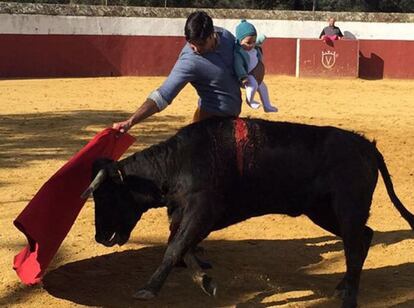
x,y
286,166
258,166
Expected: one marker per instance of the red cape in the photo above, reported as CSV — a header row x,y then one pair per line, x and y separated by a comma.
x,y
48,217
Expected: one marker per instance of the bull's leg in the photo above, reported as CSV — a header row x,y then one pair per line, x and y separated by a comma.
x,y
368,233
353,214
174,253
201,263
172,256
325,217
199,276
354,252
174,225
194,227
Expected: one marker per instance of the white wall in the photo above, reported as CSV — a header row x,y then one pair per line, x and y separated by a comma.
x,y
47,24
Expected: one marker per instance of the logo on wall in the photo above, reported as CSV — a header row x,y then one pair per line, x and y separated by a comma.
x,y
328,59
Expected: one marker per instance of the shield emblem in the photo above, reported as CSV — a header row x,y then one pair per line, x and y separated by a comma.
x,y
328,59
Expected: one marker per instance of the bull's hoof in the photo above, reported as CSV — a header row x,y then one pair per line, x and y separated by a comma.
x,y
208,286
348,301
143,294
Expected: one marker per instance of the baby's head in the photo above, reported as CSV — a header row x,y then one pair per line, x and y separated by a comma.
x,y
246,35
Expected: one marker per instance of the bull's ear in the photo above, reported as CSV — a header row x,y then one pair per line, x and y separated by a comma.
x,y
114,173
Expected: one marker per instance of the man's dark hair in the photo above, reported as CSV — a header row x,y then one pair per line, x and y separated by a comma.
x,y
198,27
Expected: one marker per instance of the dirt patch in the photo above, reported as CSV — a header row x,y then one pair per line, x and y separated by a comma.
x,y
265,261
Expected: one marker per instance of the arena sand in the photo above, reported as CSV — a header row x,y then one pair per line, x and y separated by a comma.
x,y
267,261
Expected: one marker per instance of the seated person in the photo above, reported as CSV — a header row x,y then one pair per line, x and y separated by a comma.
x,y
331,32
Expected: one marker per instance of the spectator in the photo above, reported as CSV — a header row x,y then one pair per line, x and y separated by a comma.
x,y
331,32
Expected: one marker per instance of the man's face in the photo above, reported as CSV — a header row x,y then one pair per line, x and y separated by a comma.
x,y
248,42
331,22
202,47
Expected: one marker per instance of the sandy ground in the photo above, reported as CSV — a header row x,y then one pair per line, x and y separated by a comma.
x,y
263,262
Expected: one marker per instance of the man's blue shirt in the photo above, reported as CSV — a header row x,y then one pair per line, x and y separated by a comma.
x,y
211,74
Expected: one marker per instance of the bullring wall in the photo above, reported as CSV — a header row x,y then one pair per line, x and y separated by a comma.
x,y
41,40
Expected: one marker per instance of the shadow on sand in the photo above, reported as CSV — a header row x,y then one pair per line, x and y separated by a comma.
x,y
59,135
250,273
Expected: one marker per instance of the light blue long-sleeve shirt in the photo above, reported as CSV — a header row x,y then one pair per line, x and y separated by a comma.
x,y
211,74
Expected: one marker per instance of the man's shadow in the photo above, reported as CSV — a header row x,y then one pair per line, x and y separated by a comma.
x,y
247,273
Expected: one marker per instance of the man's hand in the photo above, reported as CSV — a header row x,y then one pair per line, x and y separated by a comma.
x,y
122,127
147,109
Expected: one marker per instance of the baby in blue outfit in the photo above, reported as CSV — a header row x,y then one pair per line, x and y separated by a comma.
x,y
247,54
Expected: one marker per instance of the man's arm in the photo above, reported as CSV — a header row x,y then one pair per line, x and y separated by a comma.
x,y
181,74
147,109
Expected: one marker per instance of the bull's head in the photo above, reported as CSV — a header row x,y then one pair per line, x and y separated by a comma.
x,y
119,203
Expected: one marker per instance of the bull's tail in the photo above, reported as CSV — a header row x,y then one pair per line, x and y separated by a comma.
x,y
409,217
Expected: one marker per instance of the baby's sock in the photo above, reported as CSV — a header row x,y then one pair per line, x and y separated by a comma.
x,y
264,96
253,104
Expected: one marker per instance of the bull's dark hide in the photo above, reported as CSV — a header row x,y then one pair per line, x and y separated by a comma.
x,y
218,172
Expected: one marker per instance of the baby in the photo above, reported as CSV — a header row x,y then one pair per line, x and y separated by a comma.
x,y
247,54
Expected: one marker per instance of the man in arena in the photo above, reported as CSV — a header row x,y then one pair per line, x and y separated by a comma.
x,y
206,62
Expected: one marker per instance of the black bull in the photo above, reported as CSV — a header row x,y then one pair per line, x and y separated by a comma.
x,y
216,173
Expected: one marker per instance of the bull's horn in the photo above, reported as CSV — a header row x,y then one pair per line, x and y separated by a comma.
x,y
100,177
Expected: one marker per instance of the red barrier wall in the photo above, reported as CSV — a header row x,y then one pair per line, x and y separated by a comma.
x,y
114,55
386,59
104,55
86,55
280,56
328,59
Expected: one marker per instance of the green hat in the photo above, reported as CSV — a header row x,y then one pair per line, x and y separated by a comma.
x,y
244,29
